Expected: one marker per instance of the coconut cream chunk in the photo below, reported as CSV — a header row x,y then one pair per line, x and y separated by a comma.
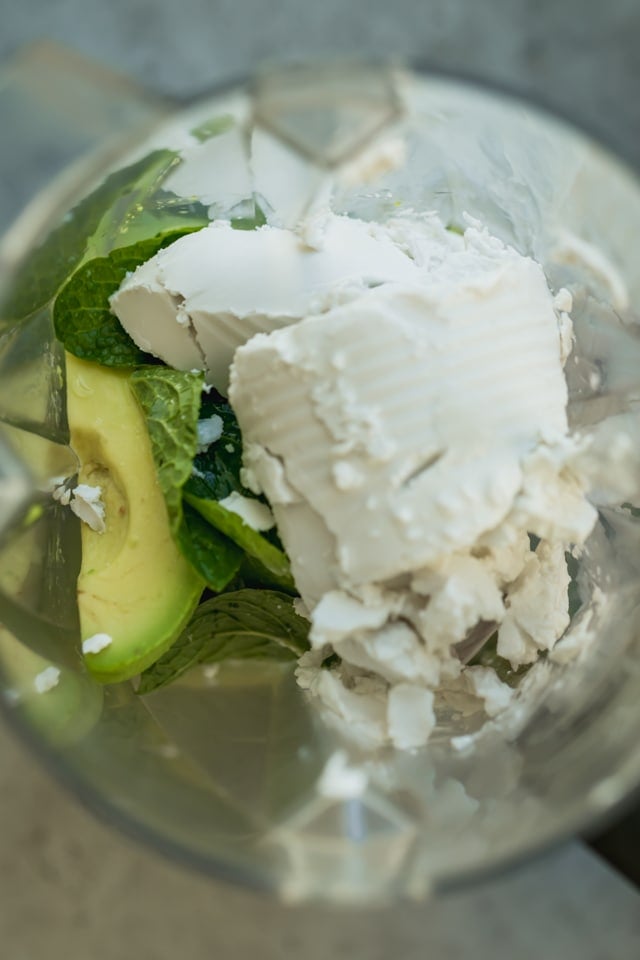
x,y
411,440
200,298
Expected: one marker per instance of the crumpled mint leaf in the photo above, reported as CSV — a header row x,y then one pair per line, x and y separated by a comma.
x,y
245,624
217,542
82,315
217,469
216,475
252,573
274,560
170,401
83,233
216,558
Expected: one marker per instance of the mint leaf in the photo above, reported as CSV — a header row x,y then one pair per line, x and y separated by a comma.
x,y
255,618
43,272
215,541
217,474
252,573
273,559
212,127
245,624
82,315
217,471
216,558
170,401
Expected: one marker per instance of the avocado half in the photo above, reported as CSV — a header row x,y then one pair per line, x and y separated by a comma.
x,y
134,584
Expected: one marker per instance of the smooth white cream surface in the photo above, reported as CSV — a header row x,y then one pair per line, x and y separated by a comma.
x,y
199,299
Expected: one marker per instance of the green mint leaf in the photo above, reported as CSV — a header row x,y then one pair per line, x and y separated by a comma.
x,y
217,472
212,127
82,315
216,558
252,573
216,475
274,560
83,319
245,624
170,401
103,212
264,617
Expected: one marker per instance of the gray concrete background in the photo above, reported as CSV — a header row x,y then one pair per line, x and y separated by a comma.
x,y
72,890
579,55
69,887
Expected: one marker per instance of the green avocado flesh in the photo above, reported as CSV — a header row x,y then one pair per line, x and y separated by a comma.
x,y
134,584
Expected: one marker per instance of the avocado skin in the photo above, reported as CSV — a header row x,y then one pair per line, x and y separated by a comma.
x,y
134,584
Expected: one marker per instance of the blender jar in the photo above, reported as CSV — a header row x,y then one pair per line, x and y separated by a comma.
x,y
226,769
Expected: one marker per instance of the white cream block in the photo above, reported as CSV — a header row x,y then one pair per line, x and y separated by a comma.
x,y
199,299
429,404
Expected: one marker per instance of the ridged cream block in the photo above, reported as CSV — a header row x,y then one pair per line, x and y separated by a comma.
x,y
199,299
403,418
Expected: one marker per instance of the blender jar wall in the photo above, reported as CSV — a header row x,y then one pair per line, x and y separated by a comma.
x,y
155,767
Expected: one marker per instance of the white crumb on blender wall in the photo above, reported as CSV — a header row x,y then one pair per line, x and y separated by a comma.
x,y
46,680
96,643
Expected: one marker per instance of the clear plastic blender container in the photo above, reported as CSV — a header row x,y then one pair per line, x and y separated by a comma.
x,y
224,769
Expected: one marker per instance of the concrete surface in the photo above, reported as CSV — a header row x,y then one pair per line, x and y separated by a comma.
x,y
580,55
68,886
